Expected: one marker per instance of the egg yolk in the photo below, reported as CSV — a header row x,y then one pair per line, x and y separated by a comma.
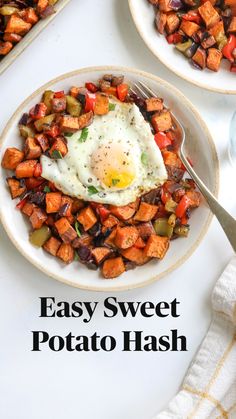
x,y
113,167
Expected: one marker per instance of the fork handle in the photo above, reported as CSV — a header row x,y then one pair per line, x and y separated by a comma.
x,y
228,223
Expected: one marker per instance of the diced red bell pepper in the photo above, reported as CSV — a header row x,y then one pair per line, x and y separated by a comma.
x,y
89,102
233,68
229,47
174,38
182,206
60,94
38,111
22,203
184,220
192,17
32,183
38,170
165,195
162,140
53,131
122,91
103,213
91,87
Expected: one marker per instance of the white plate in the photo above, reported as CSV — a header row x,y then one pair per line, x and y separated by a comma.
x,y
143,15
202,153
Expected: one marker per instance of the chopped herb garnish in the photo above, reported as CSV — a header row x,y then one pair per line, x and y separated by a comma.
x,y
92,190
144,158
84,135
56,154
76,257
77,229
115,181
112,106
68,134
47,189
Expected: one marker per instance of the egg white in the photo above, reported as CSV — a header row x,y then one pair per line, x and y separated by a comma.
x,y
123,128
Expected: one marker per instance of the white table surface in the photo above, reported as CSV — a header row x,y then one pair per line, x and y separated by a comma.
x,y
99,385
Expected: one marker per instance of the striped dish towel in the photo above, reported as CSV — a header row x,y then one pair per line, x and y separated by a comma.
x,y
209,388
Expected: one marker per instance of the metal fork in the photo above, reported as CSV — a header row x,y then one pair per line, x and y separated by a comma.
x,y
228,223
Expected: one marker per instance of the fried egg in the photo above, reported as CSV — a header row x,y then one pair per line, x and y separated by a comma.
x,y
113,161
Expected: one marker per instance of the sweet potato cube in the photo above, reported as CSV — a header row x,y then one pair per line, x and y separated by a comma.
x,y
194,198
162,121
100,253
85,120
164,6
160,21
214,58
189,28
101,104
53,202
140,243
32,149
200,57
124,213
30,16
209,14
13,38
12,157
69,123
110,221
42,140
5,47
28,208
113,267
126,237
16,189
59,145
232,26
172,23
65,230
87,218
217,30
146,212
37,218
26,169
52,245
154,104
41,6
135,255
17,25
171,159
156,247
66,253
110,240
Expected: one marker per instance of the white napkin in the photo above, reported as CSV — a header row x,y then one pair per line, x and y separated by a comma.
x,y
209,388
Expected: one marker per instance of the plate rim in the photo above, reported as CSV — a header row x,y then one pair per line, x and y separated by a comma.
x,y
176,72
215,190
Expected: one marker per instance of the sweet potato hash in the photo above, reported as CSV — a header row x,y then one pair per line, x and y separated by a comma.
x,y
203,30
17,17
113,238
